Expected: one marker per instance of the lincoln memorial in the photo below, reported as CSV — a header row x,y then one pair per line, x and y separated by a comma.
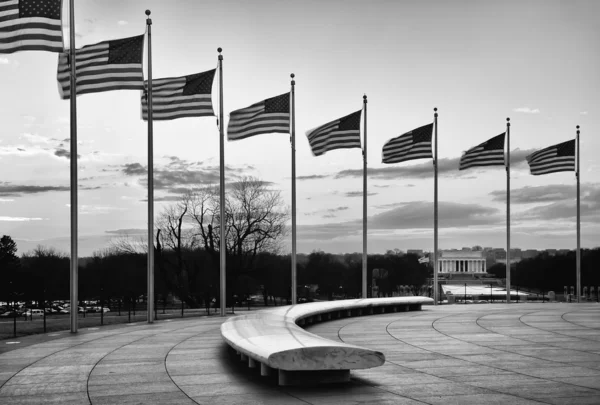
x,y
461,262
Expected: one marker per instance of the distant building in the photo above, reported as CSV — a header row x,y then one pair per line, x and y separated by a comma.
x,y
466,249
516,252
477,248
461,262
418,252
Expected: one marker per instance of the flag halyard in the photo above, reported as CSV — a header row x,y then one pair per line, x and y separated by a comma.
x,y
31,25
105,66
488,153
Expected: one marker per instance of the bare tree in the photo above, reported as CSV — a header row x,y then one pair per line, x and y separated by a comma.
x,y
255,219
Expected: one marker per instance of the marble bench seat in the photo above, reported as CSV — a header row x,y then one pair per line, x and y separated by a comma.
x,y
274,339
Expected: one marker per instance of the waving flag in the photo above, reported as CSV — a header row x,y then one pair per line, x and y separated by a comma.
x,y
106,66
30,25
555,158
342,133
415,144
268,116
489,153
179,97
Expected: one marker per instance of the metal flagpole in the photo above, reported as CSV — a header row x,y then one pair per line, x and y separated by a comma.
x,y
73,159
435,210
364,258
293,141
578,253
223,245
508,210
150,280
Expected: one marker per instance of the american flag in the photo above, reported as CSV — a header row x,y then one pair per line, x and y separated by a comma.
x,y
555,158
268,116
342,133
31,25
179,97
489,153
415,144
108,65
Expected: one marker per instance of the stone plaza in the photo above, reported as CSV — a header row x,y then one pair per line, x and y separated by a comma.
x,y
530,353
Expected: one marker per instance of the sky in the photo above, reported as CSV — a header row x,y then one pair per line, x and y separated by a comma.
x,y
478,62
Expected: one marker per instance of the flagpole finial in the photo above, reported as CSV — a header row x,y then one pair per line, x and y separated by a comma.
x,y
293,81
148,20
508,121
219,49
435,112
365,98
578,127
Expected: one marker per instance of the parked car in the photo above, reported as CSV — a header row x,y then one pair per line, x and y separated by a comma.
x,y
34,313
11,314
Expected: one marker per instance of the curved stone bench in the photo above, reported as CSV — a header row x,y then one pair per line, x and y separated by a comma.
x,y
273,338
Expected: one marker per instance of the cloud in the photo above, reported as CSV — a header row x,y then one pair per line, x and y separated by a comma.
x,y
10,190
63,153
357,194
6,200
19,219
134,169
527,110
128,231
447,167
312,177
410,216
35,138
122,22
180,173
381,185
4,61
590,192
583,113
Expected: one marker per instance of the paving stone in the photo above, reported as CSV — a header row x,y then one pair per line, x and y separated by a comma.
x,y
491,354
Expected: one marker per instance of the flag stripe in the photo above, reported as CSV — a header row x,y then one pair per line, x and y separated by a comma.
x,y
19,31
488,153
555,158
343,133
415,144
96,72
267,116
171,101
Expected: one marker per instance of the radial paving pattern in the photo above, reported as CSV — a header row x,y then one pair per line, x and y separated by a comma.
x,y
471,354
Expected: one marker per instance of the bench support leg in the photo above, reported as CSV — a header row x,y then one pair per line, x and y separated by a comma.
x,y
313,377
265,370
251,362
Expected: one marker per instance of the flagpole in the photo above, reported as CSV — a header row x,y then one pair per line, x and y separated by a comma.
x,y
435,209
223,245
293,141
508,210
73,161
578,253
364,258
150,277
